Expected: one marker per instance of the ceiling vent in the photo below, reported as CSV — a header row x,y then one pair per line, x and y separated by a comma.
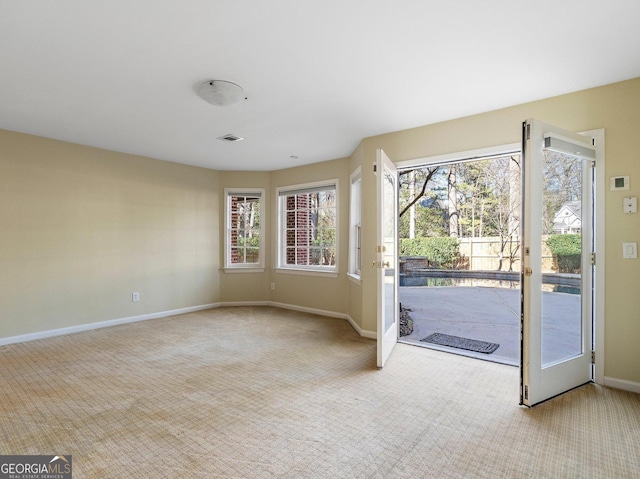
x,y
230,138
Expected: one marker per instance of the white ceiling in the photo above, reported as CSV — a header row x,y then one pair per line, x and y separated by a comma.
x,y
320,75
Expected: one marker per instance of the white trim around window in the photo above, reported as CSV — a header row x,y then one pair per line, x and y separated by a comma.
x,y
355,199
308,228
244,238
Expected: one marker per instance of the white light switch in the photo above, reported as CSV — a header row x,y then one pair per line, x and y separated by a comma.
x,y
630,250
630,204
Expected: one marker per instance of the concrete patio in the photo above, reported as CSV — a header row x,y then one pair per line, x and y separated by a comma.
x,y
491,314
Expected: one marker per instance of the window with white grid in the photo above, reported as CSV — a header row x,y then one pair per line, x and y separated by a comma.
x,y
308,227
355,241
244,239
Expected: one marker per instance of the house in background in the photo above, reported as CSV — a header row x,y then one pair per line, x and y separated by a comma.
x,y
568,219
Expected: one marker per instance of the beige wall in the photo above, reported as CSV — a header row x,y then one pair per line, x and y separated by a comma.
x,y
315,292
83,228
614,108
245,287
320,292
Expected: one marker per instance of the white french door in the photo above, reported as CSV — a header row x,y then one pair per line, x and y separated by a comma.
x,y
557,327
386,257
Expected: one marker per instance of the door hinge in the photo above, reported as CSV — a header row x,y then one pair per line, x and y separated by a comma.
x,y
526,392
528,131
593,357
593,259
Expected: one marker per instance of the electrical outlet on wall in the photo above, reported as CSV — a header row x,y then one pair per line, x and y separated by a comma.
x,y
135,297
630,250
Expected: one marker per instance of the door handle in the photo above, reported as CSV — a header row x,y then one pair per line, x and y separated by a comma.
x,y
379,264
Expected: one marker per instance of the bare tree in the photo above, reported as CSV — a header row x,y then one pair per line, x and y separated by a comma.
x,y
504,216
429,174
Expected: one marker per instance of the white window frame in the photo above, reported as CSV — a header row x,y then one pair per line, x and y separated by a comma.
x,y
355,225
230,267
281,193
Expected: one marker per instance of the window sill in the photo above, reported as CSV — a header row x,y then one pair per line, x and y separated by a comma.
x,y
308,272
355,278
244,270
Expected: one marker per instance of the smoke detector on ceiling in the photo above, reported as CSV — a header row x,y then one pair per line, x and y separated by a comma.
x,y
220,92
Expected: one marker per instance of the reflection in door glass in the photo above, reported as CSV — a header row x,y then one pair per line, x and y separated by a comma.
x,y
562,257
389,226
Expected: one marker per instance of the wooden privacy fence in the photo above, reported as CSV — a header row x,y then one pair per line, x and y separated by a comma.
x,y
483,254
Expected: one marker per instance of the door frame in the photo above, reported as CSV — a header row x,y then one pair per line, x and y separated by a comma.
x,y
599,232
599,223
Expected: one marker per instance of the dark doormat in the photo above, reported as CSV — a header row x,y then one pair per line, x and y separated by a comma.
x,y
461,343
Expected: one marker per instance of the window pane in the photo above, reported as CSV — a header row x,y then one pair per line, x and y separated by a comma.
x,y
308,232
354,223
290,256
244,228
237,255
562,334
327,236
252,255
303,256
329,256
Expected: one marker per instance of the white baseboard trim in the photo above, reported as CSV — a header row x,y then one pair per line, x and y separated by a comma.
x,y
292,307
101,324
175,312
303,309
321,312
362,332
243,303
622,384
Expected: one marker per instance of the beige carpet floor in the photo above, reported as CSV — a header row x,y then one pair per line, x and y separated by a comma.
x,y
269,393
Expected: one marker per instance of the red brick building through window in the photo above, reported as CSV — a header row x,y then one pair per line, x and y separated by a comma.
x,y
244,229
309,227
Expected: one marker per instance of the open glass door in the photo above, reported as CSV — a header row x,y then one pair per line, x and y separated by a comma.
x,y
557,289
386,257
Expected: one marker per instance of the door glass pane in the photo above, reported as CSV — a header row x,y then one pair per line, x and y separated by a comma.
x,y
389,248
562,247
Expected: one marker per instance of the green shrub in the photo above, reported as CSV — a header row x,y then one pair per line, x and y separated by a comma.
x,y
566,251
253,241
440,252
